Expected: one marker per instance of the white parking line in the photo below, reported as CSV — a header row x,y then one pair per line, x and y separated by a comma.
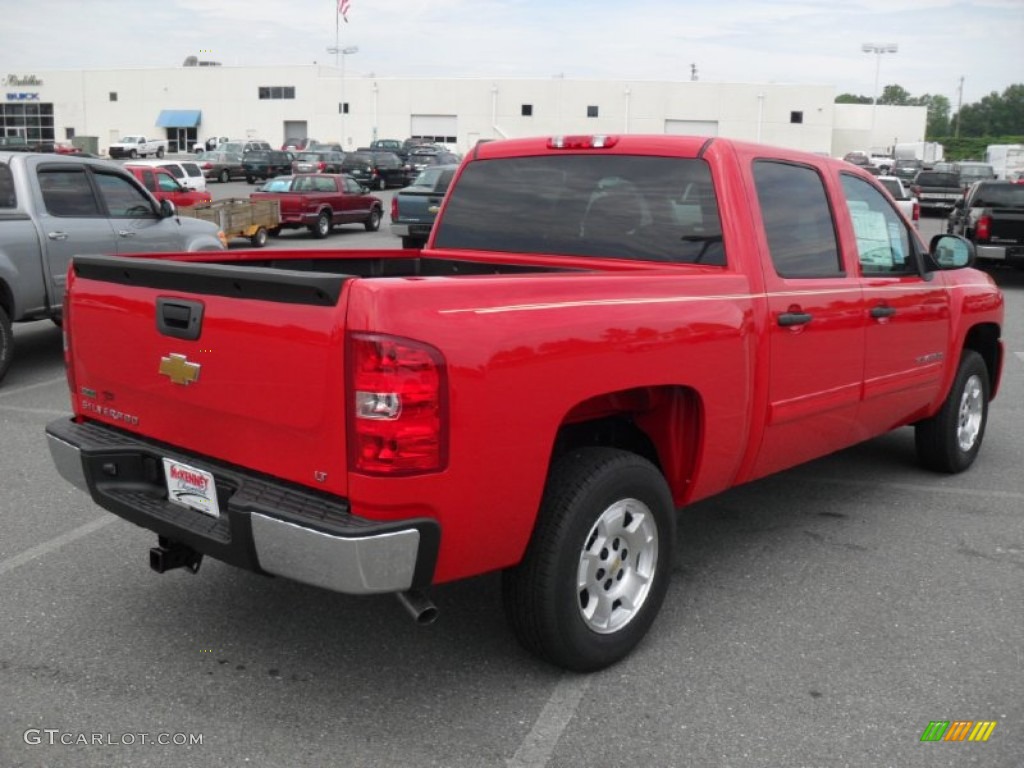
x,y
27,387
540,742
978,492
54,544
41,411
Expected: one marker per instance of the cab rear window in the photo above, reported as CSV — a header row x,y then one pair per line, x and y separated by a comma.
x,y
612,206
8,198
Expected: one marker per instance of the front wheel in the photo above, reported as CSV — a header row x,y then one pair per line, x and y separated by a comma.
x,y
224,177
133,154
372,223
598,564
950,440
6,342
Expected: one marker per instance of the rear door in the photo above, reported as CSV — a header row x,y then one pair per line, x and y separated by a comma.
x,y
816,322
71,220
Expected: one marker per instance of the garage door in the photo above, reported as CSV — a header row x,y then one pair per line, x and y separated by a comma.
x,y
691,127
440,129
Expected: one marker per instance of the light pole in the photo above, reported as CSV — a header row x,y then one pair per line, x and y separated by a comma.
x,y
346,51
878,49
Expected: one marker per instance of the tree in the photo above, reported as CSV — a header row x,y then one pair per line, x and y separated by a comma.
x,y
849,98
896,95
994,115
938,114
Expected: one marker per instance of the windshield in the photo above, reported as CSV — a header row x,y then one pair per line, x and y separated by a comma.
x,y
629,207
308,157
280,184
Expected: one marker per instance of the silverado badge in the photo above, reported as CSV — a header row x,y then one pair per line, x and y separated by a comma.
x,y
179,369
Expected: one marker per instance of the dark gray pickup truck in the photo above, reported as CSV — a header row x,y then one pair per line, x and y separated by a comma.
x,y
937,189
53,207
414,208
992,215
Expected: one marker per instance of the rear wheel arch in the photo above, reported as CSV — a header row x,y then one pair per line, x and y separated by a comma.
x,y
662,424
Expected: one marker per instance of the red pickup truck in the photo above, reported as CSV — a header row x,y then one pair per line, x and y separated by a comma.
x,y
601,330
321,201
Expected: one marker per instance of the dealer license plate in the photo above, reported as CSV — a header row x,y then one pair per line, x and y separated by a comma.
x,y
191,487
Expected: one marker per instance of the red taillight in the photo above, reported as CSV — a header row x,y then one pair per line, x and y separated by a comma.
x,y
65,330
321,166
983,227
394,207
207,166
599,141
398,406
916,212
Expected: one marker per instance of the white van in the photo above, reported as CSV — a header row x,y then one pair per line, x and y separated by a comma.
x,y
187,172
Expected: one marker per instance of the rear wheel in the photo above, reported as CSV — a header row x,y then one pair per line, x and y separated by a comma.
x,y
224,177
372,222
259,239
133,154
598,564
159,151
950,440
322,228
382,184
6,342
250,180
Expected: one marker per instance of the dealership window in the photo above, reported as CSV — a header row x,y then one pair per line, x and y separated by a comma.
x,y
796,117
527,110
113,95
69,133
277,92
591,111
343,108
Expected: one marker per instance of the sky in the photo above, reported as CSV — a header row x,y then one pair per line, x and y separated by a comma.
x,y
814,42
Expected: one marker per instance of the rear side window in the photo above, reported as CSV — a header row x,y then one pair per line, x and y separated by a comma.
x,y
999,196
174,170
192,169
797,220
8,198
613,206
66,192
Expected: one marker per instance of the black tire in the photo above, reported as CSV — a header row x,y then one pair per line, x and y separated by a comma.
x,y
950,440
382,184
543,603
372,223
259,239
224,176
274,232
133,154
159,152
6,342
250,180
322,228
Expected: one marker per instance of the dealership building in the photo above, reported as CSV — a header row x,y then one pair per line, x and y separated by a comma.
x,y
187,104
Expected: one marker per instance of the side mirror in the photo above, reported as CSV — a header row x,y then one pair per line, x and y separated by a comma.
x,y
167,209
952,251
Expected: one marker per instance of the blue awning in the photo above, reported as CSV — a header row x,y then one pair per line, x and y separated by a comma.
x,y
179,118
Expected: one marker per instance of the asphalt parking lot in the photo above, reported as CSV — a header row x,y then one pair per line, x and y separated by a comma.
x,y
819,618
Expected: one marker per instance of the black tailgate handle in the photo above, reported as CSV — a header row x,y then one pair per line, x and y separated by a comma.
x,y
180,318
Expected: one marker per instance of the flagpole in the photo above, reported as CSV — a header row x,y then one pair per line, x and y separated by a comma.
x,y
337,14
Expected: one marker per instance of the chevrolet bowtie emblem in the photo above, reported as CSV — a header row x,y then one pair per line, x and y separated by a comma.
x,y
179,369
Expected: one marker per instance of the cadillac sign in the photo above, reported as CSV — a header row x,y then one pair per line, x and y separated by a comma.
x,y
15,80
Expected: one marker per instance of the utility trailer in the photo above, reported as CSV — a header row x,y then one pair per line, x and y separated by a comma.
x,y
240,217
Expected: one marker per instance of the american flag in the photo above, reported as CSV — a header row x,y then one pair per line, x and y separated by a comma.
x,y
343,8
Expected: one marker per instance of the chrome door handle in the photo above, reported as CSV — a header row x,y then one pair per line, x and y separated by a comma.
x,y
125,233
57,235
789,319
882,311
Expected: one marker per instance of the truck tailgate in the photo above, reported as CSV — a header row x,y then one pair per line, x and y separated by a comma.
x,y
238,363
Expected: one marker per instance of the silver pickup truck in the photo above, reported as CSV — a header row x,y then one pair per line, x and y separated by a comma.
x,y
53,207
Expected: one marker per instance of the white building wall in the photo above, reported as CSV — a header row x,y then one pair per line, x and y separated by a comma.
x,y
484,108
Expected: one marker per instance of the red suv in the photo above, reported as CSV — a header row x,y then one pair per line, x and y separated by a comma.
x,y
164,186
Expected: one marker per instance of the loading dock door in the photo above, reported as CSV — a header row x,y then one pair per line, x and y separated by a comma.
x,y
440,129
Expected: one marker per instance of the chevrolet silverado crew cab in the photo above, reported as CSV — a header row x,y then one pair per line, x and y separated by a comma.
x,y
600,331
55,206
